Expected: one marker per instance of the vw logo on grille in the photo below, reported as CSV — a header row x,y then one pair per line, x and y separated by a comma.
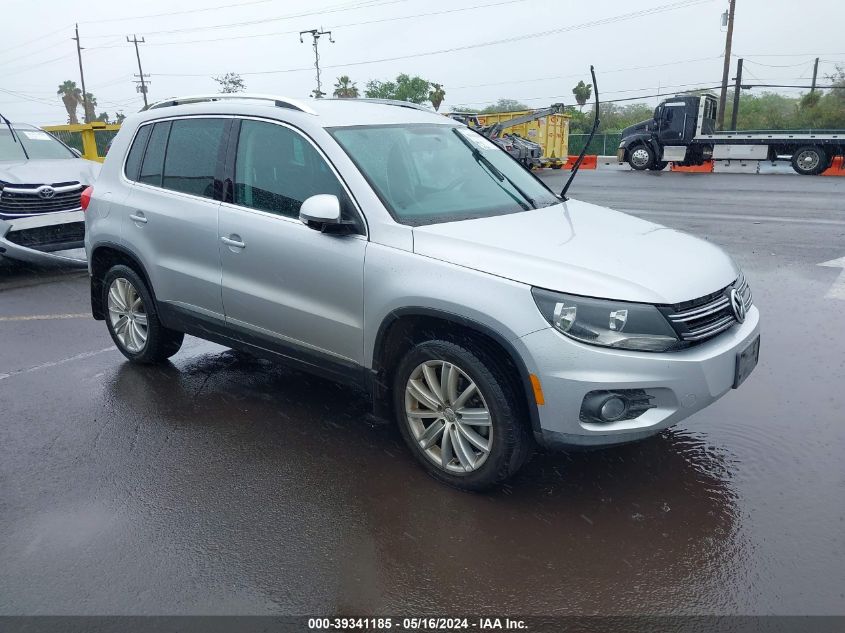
x,y
46,192
737,305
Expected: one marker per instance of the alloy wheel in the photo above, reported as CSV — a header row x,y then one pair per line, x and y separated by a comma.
x,y
448,417
127,315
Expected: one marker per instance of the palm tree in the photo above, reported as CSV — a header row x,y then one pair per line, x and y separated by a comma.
x,y
436,96
345,88
71,97
90,104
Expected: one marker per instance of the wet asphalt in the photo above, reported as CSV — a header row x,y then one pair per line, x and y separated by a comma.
x,y
225,484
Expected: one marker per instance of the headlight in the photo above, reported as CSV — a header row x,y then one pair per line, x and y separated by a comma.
x,y
634,326
623,143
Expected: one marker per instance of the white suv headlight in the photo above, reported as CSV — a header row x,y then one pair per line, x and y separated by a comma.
x,y
634,326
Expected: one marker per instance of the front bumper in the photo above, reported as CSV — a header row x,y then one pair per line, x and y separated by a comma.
x,y
680,382
43,253
620,155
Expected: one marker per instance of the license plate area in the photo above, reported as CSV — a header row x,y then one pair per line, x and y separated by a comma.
x,y
746,361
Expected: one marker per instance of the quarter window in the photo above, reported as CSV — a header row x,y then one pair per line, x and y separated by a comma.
x,y
136,152
191,158
276,169
151,169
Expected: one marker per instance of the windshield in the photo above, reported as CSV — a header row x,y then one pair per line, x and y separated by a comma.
x,y
37,143
440,173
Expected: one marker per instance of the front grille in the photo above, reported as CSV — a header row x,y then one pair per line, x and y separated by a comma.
x,y
50,238
701,319
24,199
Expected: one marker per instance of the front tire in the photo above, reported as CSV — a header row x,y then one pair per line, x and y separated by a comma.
x,y
132,319
460,415
641,157
659,165
809,160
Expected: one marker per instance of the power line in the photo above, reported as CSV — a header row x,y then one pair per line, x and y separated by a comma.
x,y
601,22
216,8
369,4
335,27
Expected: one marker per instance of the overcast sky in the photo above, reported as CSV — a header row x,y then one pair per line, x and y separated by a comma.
x,y
671,44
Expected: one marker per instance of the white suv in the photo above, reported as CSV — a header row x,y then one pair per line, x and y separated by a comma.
x,y
396,249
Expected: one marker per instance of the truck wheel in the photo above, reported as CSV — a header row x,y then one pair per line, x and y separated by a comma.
x,y
460,415
659,166
809,160
641,158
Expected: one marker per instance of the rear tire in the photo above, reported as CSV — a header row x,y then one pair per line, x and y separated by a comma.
x,y
132,318
810,160
641,157
460,415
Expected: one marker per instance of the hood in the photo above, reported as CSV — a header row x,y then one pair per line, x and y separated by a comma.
x,y
583,249
49,171
642,126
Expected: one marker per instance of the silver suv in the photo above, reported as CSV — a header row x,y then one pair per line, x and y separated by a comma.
x,y
398,250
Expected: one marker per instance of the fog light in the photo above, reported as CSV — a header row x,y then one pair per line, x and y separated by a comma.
x,y
613,408
603,407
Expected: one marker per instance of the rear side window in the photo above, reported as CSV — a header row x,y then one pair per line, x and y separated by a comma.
x,y
191,158
136,153
151,169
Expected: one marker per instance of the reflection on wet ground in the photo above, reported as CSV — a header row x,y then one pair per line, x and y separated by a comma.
x,y
226,484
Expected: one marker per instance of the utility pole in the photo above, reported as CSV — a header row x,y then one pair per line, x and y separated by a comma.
x,y
316,34
737,88
727,67
140,75
815,74
81,77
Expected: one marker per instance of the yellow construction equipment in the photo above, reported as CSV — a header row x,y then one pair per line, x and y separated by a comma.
x,y
91,139
551,131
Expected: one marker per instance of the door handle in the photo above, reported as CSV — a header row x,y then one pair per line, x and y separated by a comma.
x,y
138,217
233,242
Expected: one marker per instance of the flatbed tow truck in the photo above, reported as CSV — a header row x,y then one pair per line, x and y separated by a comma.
x,y
683,131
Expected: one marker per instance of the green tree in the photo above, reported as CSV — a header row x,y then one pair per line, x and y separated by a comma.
x,y
119,117
582,93
436,96
90,107
345,88
505,105
405,88
103,116
230,83
71,97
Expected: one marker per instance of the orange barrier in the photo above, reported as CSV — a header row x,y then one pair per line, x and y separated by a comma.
x,y
590,161
706,168
837,168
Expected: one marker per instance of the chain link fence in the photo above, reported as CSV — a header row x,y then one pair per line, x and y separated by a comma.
x,y
602,144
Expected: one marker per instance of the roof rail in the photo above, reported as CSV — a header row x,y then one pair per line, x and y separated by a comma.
x,y
393,102
279,102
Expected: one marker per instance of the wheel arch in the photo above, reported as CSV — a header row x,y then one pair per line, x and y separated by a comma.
x,y
403,328
103,257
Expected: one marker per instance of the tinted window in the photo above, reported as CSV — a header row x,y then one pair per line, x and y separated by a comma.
x,y
154,157
136,152
192,155
276,169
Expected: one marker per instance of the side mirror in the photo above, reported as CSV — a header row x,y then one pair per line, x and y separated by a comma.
x,y
320,211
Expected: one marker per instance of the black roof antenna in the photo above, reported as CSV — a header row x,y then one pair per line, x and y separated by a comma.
x,y
589,140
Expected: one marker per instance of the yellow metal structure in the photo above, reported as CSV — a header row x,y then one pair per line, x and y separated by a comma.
x,y
551,132
89,138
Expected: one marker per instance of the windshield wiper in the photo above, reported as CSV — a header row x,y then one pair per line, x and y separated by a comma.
x,y
482,159
14,136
